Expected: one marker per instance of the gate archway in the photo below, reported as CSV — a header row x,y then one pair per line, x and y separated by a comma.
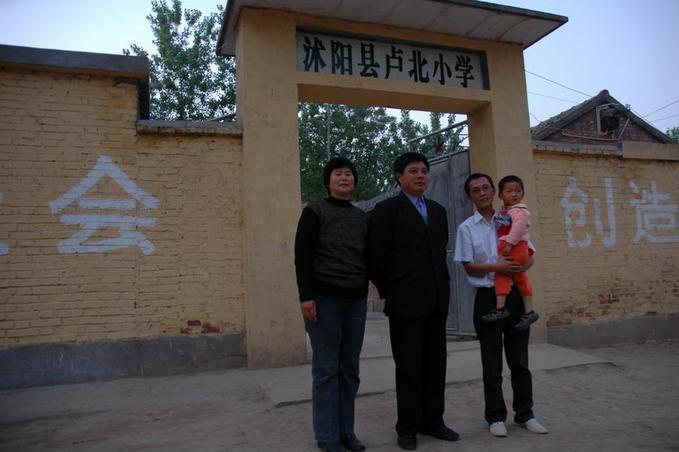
x,y
450,56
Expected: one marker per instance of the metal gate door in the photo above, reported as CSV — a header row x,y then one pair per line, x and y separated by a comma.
x,y
447,176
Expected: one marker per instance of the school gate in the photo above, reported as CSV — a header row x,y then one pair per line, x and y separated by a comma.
x,y
132,247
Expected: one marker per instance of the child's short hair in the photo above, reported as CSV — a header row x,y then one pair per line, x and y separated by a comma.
x,y
507,179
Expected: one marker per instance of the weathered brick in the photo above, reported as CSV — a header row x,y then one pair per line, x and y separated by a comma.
x,y
621,279
53,129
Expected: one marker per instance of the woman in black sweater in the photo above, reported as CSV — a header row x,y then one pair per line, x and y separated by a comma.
x,y
333,286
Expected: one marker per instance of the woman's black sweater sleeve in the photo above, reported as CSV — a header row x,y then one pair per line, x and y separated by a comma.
x,y
305,250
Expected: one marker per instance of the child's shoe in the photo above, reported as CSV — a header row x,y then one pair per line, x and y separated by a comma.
x,y
526,320
496,314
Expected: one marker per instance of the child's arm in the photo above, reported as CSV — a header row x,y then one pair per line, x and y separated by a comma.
x,y
520,223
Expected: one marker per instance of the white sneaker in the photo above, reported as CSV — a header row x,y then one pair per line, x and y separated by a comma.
x,y
498,429
532,425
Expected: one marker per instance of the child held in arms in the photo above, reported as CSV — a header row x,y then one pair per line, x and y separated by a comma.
x,y
513,223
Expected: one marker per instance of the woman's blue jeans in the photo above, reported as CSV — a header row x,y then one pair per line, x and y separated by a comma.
x,y
336,340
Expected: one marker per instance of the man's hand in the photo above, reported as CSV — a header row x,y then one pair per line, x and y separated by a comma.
x,y
506,264
309,310
527,265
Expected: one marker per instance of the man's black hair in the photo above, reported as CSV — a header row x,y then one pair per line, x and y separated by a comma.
x,y
475,176
336,163
405,159
507,179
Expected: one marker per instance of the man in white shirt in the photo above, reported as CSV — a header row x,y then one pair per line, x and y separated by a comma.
x,y
476,250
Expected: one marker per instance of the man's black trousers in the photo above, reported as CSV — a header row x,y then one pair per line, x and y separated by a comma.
x,y
491,338
419,349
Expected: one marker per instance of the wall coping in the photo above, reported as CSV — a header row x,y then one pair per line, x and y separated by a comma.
x,y
655,151
582,149
155,127
86,63
641,150
75,62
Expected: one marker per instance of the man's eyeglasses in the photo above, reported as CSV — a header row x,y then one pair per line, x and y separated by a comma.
x,y
479,190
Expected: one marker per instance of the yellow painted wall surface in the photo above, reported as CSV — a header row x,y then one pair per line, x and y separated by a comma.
x,y
626,268
54,129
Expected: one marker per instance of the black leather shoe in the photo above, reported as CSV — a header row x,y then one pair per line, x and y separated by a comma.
x,y
352,443
407,442
330,447
444,433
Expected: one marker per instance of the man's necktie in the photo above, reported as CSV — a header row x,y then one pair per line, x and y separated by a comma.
x,y
421,208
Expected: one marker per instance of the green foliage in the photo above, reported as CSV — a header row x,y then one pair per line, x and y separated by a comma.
x,y
188,80
442,143
368,136
673,132
435,120
452,138
409,129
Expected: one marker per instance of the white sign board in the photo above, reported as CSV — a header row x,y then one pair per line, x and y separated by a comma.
x,y
364,57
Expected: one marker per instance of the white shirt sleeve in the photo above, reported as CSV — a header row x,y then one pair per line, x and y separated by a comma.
x,y
464,248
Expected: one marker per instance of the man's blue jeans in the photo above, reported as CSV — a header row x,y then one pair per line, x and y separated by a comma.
x,y
336,340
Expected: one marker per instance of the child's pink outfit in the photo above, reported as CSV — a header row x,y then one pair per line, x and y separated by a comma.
x,y
514,222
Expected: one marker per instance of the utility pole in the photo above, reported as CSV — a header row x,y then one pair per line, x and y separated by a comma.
x,y
327,132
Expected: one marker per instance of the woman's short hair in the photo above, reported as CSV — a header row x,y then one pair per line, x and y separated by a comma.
x,y
336,163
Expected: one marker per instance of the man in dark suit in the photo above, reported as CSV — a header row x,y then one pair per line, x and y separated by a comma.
x,y
407,237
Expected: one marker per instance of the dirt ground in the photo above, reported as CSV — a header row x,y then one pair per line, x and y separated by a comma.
x,y
629,404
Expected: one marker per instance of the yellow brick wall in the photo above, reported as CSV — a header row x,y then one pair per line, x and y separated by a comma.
x,y
54,128
633,273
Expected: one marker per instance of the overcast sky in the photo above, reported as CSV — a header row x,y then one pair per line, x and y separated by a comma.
x,y
629,47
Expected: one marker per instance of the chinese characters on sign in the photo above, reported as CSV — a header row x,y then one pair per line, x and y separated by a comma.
x,y
394,61
656,222
90,223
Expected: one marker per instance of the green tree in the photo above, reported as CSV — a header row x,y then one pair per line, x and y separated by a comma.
x,y
445,142
312,148
434,143
187,79
366,135
409,129
453,138
673,132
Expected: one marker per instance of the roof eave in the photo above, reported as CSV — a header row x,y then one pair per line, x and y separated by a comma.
x,y
226,45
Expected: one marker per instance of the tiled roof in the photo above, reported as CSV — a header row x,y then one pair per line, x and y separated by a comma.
x,y
556,123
